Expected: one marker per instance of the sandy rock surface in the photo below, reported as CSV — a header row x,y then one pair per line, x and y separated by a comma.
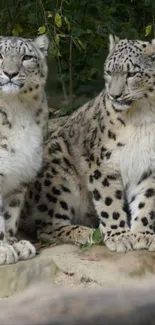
x,y
69,266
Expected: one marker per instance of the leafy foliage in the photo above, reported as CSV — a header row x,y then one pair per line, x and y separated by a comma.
x,y
78,32
97,237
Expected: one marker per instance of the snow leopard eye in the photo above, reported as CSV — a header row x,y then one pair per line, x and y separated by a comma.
x,y
131,74
27,57
109,73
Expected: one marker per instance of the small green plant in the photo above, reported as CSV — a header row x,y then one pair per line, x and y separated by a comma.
x,y
85,247
97,239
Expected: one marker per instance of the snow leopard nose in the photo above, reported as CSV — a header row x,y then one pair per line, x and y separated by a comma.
x,y
115,96
11,66
116,86
10,74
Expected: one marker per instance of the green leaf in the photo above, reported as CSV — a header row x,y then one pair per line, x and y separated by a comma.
x,y
68,23
97,237
148,30
58,21
17,30
57,39
81,44
55,52
77,32
92,71
61,35
41,30
89,31
66,2
77,44
85,247
49,14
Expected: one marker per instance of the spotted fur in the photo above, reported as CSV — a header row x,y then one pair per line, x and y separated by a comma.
x,y
23,118
101,163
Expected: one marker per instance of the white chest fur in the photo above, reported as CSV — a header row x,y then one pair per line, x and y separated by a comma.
x,y
138,153
20,147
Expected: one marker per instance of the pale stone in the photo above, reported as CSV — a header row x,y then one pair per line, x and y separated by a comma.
x,y
68,266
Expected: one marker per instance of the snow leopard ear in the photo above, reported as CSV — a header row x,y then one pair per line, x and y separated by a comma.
x,y
42,43
149,49
113,40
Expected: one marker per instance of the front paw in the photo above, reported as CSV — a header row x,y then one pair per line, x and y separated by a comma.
x,y
8,254
25,250
118,241
143,240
